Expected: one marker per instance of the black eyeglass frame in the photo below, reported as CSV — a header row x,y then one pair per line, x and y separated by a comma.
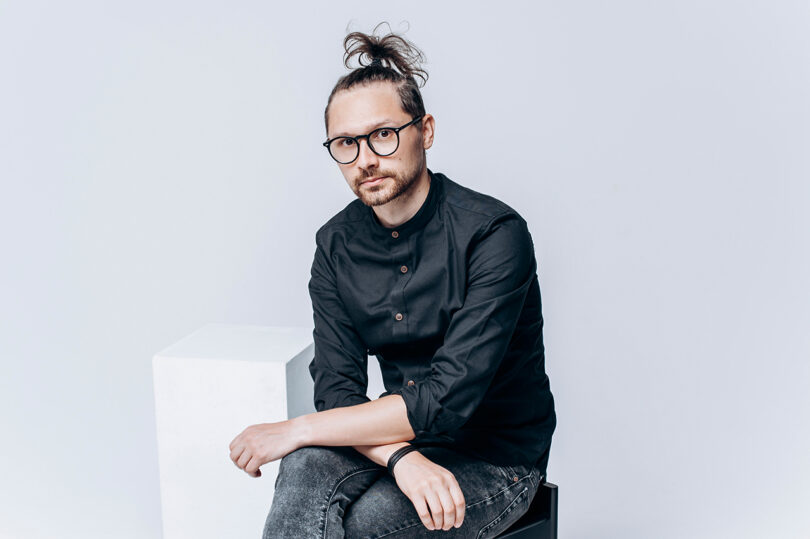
x,y
356,140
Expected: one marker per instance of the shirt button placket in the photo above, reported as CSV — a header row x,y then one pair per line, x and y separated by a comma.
x,y
399,250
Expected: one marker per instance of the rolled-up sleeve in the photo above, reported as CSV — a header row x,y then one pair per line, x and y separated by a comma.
x,y
339,365
501,268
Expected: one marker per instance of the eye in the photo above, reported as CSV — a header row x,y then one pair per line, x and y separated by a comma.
x,y
384,133
346,142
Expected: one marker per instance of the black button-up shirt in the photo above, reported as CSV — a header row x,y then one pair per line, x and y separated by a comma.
x,y
449,303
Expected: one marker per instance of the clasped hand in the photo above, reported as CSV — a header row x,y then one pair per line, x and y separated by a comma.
x,y
262,443
433,491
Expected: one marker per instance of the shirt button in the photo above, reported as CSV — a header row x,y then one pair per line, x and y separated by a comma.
x,y
394,234
404,269
410,382
398,316
515,479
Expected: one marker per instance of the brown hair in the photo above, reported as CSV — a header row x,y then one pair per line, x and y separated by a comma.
x,y
388,58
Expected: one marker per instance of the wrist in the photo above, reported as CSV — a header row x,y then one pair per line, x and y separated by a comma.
x,y
379,454
301,431
387,450
400,453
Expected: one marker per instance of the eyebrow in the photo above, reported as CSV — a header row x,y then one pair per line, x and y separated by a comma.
x,y
384,123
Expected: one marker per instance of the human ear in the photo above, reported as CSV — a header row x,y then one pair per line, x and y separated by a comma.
x,y
428,130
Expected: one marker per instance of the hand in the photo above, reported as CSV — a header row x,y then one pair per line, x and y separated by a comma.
x,y
432,489
263,443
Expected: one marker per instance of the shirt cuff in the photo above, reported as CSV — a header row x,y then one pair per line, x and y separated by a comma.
x,y
426,416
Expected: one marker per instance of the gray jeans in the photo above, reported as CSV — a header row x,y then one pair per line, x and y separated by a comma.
x,y
335,492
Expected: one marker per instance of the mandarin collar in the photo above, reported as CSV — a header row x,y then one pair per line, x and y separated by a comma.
x,y
415,223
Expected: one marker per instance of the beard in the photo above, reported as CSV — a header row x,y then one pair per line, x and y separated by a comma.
x,y
390,188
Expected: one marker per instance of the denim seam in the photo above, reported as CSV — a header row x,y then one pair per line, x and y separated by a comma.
x,y
334,491
418,522
500,517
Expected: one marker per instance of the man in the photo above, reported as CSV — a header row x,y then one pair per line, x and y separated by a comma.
x,y
439,282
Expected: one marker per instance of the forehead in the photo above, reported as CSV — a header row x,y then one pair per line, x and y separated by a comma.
x,y
364,107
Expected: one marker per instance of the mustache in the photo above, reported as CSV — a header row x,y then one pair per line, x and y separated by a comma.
x,y
365,174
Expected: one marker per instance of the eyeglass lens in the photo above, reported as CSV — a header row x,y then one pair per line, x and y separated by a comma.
x,y
383,141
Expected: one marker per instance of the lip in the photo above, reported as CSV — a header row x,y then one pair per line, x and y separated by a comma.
x,y
373,181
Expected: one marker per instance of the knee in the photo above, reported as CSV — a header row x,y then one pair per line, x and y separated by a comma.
x,y
302,472
304,457
312,461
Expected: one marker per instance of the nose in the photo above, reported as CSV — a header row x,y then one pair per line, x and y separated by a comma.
x,y
366,158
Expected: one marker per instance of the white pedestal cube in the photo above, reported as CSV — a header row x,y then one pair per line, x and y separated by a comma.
x,y
209,386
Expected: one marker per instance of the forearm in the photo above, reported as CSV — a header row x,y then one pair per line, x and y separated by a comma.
x,y
375,423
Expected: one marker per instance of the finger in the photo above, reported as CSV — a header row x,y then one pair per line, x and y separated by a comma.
x,y
458,500
422,510
436,510
244,458
236,453
448,509
253,466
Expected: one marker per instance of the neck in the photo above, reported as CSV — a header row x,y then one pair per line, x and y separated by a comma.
x,y
405,206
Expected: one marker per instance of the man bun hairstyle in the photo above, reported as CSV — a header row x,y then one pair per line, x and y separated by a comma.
x,y
388,58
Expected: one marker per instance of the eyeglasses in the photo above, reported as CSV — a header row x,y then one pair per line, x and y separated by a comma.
x,y
383,141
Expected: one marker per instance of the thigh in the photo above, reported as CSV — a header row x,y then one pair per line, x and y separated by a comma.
x,y
313,487
495,497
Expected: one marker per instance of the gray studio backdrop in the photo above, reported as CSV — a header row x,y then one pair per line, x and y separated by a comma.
x,y
161,169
